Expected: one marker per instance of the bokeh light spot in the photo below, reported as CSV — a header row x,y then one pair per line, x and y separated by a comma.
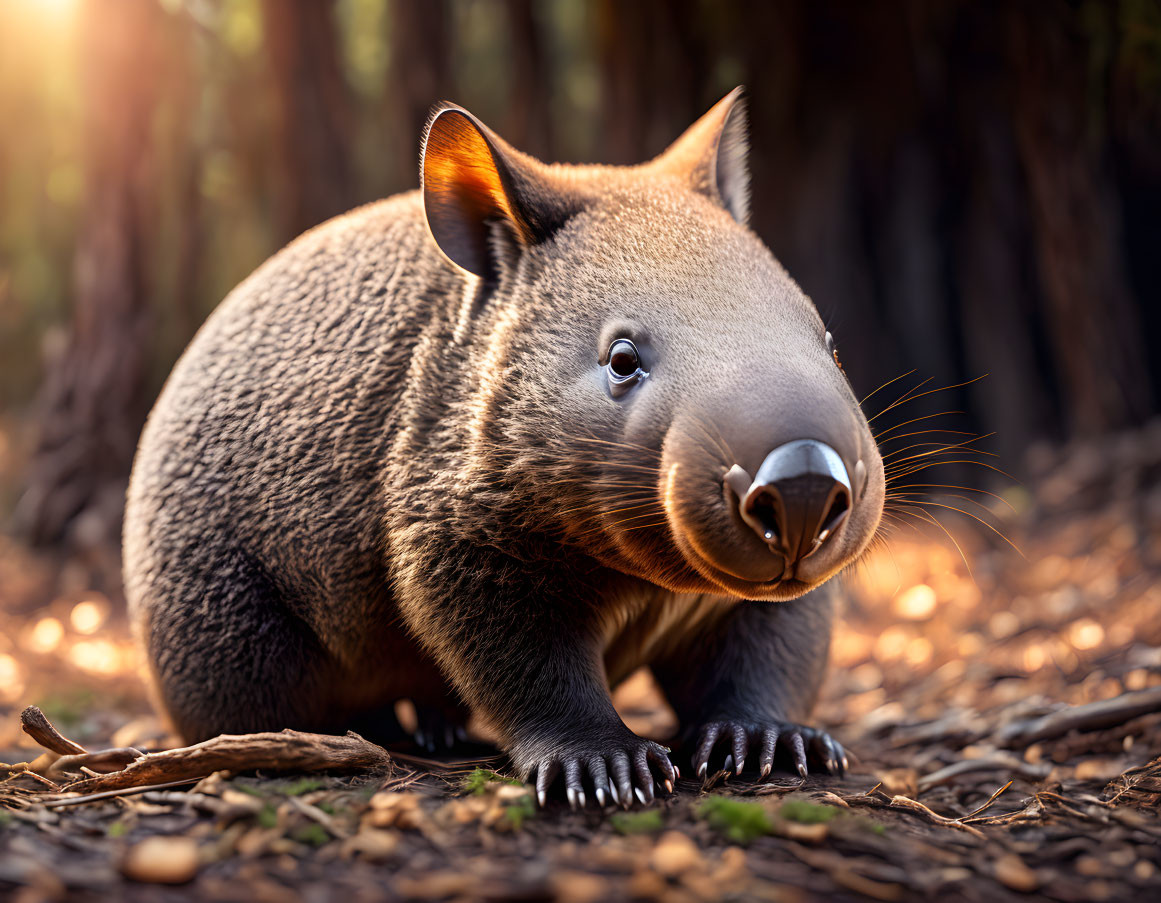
x,y
916,603
45,635
88,615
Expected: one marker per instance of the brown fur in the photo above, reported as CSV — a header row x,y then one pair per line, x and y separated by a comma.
x,y
374,475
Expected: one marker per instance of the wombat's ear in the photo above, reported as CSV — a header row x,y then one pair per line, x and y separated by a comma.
x,y
484,200
712,154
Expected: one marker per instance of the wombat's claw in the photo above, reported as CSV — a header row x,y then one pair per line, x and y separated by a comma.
x,y
630,770
766,737
436,734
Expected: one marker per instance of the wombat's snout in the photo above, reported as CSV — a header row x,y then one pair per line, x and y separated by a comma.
x,y
799,499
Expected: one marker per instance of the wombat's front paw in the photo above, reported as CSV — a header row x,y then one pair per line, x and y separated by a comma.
x,y
438,732
618,769
766,737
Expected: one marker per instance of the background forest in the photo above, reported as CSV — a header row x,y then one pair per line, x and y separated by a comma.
x,y
964,188
970,190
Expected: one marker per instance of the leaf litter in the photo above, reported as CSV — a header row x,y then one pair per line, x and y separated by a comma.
x,y
1006,726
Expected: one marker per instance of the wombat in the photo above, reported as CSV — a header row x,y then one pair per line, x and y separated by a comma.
x,y
493,445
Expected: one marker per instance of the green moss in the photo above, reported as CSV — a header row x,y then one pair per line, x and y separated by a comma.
x,y
519,811
326,807
806,813
268,816
478,781
738,821
301,786
117,829
648,822
314,835
5,819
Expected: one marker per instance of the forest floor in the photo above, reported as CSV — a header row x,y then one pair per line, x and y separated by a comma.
x,y
1005,723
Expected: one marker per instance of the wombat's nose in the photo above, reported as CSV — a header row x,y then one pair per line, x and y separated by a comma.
x,y
799,499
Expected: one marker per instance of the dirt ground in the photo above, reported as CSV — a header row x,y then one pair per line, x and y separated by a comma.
x,y
1005,723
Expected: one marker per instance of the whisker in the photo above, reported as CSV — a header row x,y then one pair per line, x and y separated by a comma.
x,y
643,504
663,523
863,400
631,446
903,464
719,442
930,392
932,432
963,446
902,398
953,542
998,498
903,492
601,528
889,429
929,464
939,446
975,518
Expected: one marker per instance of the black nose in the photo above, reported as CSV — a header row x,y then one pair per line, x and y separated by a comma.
x,y
799,499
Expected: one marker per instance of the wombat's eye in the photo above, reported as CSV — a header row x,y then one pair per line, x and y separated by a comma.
x,y
833,349
624,361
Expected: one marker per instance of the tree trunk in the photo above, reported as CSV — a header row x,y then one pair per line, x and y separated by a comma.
x,y
529,121
1092,320
420,74
313,116
92,402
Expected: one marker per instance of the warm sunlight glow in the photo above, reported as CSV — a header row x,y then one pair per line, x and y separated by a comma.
x,y
89,614
11,681
1086,634
916,603
57,9
97,657
45,636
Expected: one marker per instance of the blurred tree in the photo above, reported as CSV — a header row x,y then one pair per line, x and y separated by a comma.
x,y
1094,324
92,403
313,115
963,187
420,74
528,124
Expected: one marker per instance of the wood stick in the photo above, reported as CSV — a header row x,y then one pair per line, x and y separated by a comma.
x,y
36,724
101,761
1088,717
902,802
283,751
995,762
109,794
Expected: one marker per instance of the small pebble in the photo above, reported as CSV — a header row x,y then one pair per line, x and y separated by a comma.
x,y
162,860
674,854
1013,873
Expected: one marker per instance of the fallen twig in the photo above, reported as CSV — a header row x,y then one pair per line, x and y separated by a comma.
x,y
316,814
39,728
987,804
902,802
1143,781
283,751
1032,811
1089,717
109,794
104,761
997,762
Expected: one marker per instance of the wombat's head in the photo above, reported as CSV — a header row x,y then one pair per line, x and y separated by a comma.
x,y
645,377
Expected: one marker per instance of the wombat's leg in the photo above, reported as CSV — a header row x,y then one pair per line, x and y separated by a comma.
x,y
229,656
750,680
523,650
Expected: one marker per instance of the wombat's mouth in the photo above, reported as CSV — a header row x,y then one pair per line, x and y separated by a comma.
x,y
772,536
